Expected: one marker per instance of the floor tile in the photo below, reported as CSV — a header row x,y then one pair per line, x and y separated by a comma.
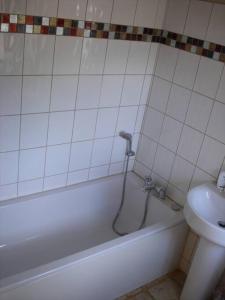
x,y
166,290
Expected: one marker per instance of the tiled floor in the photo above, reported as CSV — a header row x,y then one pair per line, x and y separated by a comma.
x,y
166,288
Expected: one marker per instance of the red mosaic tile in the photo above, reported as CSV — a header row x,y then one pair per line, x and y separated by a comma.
x,y
88,25
73,32
12,27
60,22
29,20
5,18
44,29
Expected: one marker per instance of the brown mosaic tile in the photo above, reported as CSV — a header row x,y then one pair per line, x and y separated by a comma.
x,y
37,29
21,19
53,22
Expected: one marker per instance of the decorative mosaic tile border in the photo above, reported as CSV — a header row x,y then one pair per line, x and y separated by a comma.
x,y
16,23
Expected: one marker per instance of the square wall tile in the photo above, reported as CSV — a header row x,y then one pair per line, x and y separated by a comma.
x,y
216,31
153,121
146,13
72,9
60,127
140,117
186,69
200,177
160,15
101,152
31,164
178,102
64,90
80,155
9,133
36,94
199,112
123,12
146,151
180,197
127,119
140,169
181,174
187,150
38,54
160,94
111,90
132,90
211,149
146,89
88,92
176,14
34,128
208,77
42,7
57,159
13,6
106,122
198,19
54,182
99,10
30,187
98,172
119,148
8,191
116,57
152,58
67,55
166,62
221,91
163,162
216,127
9,167
171,132
10,95
77,176
84,124
11,49
138,57
93,56
116,168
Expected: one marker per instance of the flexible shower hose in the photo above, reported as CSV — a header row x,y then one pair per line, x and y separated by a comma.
x,y
127,158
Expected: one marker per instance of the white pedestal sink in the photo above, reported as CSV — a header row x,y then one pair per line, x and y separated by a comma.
x,y
205,207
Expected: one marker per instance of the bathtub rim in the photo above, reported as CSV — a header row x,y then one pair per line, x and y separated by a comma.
x,y
21,199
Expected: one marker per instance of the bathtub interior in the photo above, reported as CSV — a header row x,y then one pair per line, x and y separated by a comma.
x,y
52,225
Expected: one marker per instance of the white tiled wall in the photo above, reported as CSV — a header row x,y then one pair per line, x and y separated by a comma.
x,y
182,140
63,100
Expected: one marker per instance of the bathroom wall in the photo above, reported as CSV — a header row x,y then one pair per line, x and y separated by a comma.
x,y
182,140
64,95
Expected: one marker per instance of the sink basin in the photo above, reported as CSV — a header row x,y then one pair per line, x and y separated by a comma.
x,y
204,211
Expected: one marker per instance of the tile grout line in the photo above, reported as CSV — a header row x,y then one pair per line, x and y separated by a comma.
x,y
121,96
21,104
49,109
75,106
172,81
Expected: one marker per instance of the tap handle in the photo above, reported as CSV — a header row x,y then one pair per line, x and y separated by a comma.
x,y
148,178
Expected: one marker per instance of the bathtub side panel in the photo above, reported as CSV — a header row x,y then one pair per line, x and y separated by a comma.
x,y
111,273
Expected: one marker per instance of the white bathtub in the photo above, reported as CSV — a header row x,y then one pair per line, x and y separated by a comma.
x,y
59,245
